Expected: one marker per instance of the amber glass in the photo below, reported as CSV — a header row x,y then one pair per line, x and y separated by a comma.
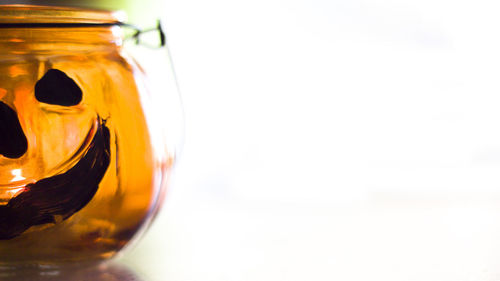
x,y
93,169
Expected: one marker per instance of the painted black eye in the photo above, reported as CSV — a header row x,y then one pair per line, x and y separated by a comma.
x,y
55,87
13,142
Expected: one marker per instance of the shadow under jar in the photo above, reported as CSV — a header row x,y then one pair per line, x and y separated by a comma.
x,y
83,162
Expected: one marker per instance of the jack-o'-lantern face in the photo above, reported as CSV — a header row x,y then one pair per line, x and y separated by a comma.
x,y
87,142
55,165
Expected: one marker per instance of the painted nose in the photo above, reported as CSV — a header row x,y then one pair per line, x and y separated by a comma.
x,y
13,142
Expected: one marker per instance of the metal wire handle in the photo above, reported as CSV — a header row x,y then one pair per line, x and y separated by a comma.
x,y
138,32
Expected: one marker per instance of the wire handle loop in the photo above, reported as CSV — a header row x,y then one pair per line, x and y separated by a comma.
x,y
138,32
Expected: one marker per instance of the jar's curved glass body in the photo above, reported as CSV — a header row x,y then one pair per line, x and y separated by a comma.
x,y
93,167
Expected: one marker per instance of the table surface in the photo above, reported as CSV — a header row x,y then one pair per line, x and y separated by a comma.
x,y
387,237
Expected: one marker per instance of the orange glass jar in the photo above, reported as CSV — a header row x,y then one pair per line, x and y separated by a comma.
x,y
83,151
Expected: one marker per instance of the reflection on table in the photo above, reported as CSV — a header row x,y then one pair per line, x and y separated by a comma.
x,y
111,271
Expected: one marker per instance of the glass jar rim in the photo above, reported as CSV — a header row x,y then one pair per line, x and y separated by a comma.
x,y
34,14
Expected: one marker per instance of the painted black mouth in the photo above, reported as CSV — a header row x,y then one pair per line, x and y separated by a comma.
x,y
59,196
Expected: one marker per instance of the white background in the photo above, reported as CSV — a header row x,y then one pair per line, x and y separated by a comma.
x,y
333,140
